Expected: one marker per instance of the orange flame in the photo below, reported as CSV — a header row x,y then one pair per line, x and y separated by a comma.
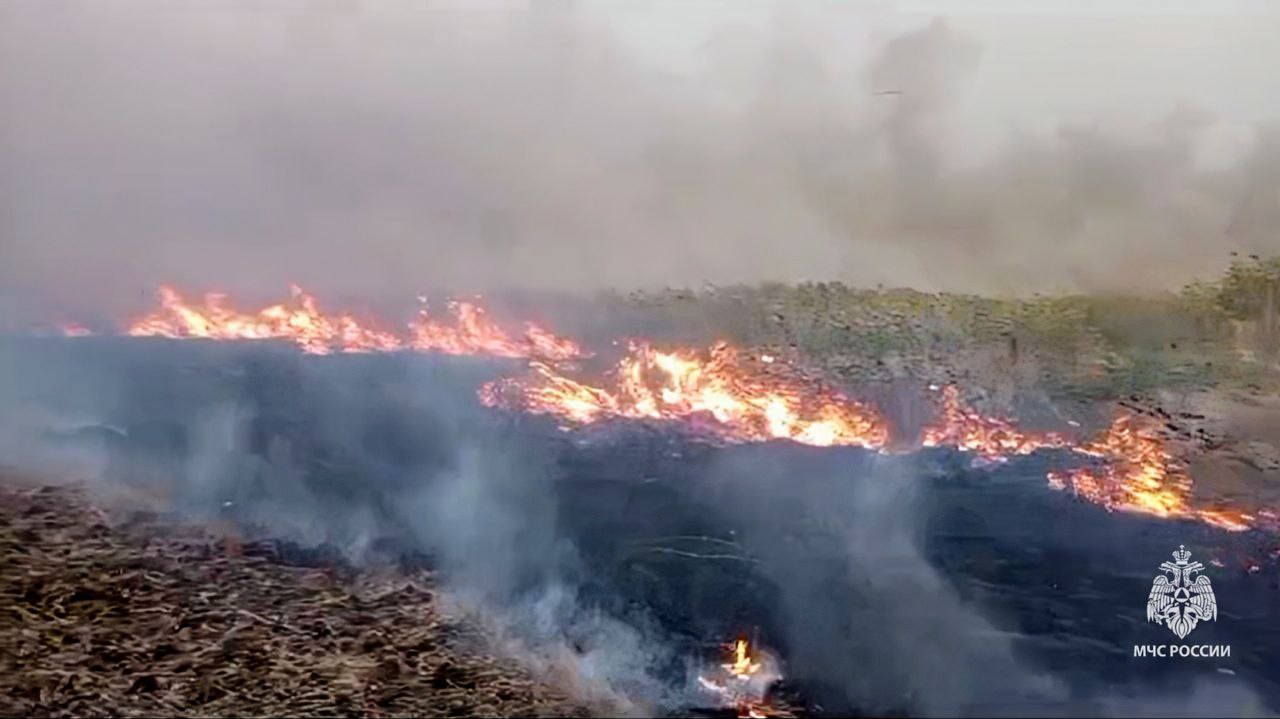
x,y
992,438
301,321
743,684
1135,472
748,403
475,333
742,666
74,329
1138,474
727,394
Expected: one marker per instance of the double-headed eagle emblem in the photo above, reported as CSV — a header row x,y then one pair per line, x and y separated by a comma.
x,y
1177,600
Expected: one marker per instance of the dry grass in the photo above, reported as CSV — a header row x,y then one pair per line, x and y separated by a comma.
x,y
136,619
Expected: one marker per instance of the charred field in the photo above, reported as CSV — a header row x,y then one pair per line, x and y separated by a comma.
x,y
917,583
651,358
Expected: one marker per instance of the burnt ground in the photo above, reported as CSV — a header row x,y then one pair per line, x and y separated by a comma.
x,y
920,585
915,584
105,615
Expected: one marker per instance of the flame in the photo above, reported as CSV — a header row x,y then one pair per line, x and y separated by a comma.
x,y
301,321
1138,474
74,329
742,666
743,682
298,320
722,392
473,332
1134,473
992,438
746,403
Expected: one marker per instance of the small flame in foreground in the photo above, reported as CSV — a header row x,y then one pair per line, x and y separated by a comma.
x,y
743,666
301,321
742,682
748,403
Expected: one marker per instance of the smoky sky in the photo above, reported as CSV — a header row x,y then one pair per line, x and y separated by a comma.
x,y
380,149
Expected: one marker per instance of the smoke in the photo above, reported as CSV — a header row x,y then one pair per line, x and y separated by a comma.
x,y
876,628
384,148
1203,698
573,550
367,462
494,521
896,635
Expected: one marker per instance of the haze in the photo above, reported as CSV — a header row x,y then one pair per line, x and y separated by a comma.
x,y
380,149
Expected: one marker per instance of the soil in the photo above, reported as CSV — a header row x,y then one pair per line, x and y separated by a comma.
x,y
1230,440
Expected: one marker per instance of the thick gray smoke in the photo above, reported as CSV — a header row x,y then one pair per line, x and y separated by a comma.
x,y
384,148
369,463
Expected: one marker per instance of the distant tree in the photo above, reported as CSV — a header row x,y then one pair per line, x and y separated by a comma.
x,y
1250,291
1247,292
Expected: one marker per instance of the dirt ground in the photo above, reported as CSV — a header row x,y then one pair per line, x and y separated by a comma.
x,y
1230,441
103,615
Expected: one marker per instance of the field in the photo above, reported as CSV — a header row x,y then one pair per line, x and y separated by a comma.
x,y
199,608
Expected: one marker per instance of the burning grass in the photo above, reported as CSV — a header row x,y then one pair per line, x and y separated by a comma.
x,y
744,400
742,682
300,320
991,438
726,393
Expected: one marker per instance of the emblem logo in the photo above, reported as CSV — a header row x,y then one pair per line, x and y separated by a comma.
x,y
1178,600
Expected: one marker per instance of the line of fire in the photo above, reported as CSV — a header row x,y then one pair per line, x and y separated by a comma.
x,y
718,395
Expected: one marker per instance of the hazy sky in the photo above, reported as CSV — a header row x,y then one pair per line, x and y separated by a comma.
x,y
1045,62
386,147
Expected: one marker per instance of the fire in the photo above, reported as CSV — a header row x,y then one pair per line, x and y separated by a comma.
x,y
300,320
744,402
1137,474
74,329
723,393
991,438
742,682
743,666
473,332
1134,471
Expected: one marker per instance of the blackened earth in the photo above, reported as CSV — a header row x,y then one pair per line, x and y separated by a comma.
x,y
913,583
